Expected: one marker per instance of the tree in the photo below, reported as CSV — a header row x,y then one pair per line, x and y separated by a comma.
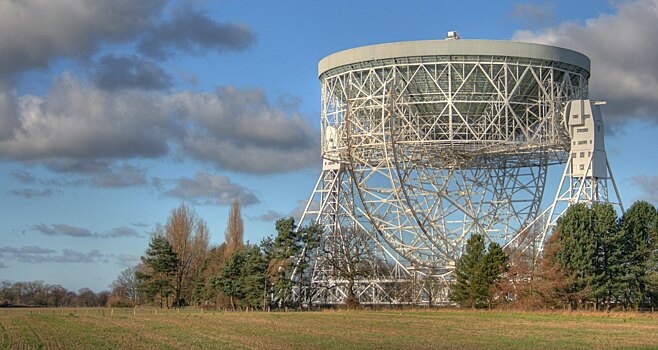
x,y
102,298
126,286
495,264
476,272
288,255
254,278
288,241
215,261
469,289
234,234
639,229
188,235
578,254
86,298
161,265
551,283
57,296
351,257
244,277
431,286
518,286
213,267
609,267
228,282
595,258
288,252
652,286
38,293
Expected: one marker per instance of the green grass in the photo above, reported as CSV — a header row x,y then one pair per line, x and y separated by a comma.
x,y
444,329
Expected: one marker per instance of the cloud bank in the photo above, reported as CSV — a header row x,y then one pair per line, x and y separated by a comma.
x,y
38,255
231,129
125,108
209,189
648,186
623,51
81,232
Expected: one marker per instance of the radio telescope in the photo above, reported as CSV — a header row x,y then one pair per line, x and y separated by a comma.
x,y
425,143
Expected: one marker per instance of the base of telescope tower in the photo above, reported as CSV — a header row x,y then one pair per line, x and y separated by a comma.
x,y
387,279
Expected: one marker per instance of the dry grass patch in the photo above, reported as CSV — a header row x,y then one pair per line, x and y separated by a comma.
x,y
388,329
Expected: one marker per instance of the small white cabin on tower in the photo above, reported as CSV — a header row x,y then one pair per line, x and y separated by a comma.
x,y
585,125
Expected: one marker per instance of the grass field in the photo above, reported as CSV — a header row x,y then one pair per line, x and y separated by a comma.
x,y
441,329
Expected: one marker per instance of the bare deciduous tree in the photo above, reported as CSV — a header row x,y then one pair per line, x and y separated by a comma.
x,y
126,285
188,235
234,234
351,257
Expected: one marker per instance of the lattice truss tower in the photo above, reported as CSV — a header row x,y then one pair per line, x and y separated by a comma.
x,y
426,143
587,176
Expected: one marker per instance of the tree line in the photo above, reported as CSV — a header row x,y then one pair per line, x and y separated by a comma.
x,y
593,260
181,268
40,294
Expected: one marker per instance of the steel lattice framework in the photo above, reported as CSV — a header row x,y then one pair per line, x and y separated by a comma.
x,y
426,143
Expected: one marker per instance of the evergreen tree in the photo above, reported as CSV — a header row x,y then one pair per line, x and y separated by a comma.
x,y
228,282
639,231
216,263
476,272
161,263
607,281
254,278
243,278
604,260
578,256
495,265
200,292
288,241
652,274
288,251
652,286
467,289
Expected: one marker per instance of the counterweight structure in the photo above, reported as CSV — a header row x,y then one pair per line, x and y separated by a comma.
x,y
424,144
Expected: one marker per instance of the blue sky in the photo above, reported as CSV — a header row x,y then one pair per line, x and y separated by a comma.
x,y
114,112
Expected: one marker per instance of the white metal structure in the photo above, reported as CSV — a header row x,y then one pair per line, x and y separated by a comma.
x,y
587,173
428,142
